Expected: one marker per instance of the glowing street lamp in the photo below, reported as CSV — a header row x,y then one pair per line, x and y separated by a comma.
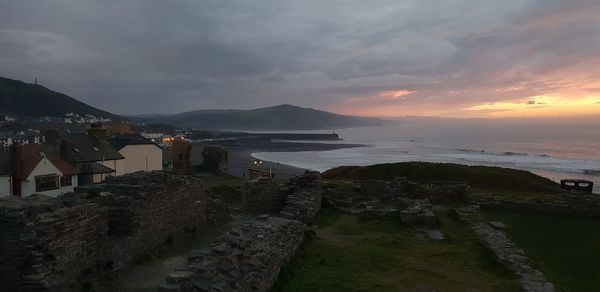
x,y
258,163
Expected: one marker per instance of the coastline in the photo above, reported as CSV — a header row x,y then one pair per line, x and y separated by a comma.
x,y
240,159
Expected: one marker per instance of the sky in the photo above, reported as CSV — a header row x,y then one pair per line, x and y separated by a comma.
x,y
386,58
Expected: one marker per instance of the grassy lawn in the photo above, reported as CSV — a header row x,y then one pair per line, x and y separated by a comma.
x,y
565,247
348,253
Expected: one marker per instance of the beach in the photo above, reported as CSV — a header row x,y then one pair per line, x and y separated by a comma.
x,y
240,159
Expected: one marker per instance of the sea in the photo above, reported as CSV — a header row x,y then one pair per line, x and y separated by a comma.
x,y
555,150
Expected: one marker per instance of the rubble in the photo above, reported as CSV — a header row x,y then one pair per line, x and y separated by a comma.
x,y
416,211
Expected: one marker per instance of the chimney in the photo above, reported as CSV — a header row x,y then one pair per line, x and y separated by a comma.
x,y
96,130
64,151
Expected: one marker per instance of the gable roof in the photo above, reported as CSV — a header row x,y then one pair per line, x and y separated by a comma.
x,y
83,148
121,141
30,158
32,155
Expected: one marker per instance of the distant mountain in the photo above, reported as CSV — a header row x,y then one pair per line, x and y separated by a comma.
x,y
281,117
30,100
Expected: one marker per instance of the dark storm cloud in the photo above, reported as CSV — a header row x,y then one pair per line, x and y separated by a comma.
x,y
142,56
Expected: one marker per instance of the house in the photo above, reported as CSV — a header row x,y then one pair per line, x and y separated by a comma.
x,y
29,170
8,118
95,158
141,154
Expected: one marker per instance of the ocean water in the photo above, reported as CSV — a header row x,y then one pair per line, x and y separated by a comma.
x,y
554,150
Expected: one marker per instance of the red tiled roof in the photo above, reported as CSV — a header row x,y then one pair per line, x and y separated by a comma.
x,y
31,157
64,167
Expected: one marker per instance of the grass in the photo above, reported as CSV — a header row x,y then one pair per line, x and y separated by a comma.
x,y
212,179
353,254
479,177
565,247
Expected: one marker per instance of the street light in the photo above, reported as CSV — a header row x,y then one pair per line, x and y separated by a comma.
x,y
258,163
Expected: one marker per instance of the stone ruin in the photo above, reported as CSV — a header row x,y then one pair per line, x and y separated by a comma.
x,y
250,257
304,200
397,197
417,211
493,236
263,195
372,197
247,258
514,258
45,242
298,199
60,244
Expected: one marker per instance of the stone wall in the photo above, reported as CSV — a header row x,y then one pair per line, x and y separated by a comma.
x,y
250,257
148,209
382,189
44,242
304,201
247,258
263,195
58,244
512,257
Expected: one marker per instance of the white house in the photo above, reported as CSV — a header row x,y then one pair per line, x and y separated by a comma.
x,y
32,171
141,154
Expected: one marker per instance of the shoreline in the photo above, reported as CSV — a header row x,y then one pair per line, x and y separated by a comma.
x,y
240,159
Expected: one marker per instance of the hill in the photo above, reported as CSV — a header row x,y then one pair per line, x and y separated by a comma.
x,y
30,100
281,117
480,177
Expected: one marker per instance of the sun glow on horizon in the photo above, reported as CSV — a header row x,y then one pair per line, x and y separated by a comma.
x,y
395,103
539,106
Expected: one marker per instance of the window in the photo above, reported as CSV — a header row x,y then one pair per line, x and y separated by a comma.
x,y
66,181
46,183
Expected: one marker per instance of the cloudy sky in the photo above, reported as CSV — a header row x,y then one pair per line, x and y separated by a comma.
x,y
446,58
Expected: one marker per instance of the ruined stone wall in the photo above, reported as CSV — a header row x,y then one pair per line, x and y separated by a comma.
x,y
263,195
250,257
247,258
148,209
57,244
304,201
49,246
512,257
